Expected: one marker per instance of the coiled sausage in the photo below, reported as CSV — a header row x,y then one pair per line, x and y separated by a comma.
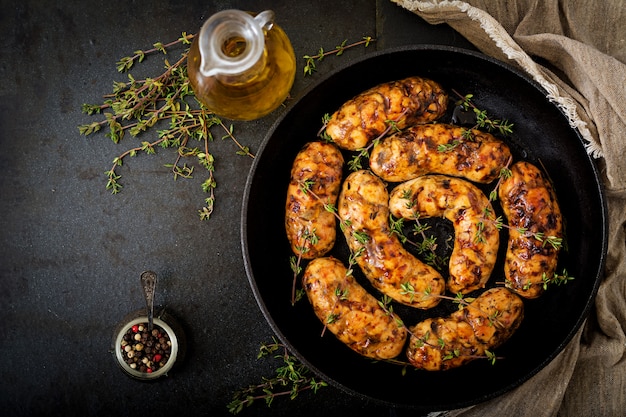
x,y
476,237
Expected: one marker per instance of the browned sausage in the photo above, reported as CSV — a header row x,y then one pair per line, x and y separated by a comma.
x,y
311,229
476,237
438,344
531,208
439,149
350,312
363,208
405,102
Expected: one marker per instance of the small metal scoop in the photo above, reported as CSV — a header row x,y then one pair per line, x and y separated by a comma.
x,y
148,284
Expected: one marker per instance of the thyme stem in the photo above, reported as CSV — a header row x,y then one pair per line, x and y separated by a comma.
x,y
310,60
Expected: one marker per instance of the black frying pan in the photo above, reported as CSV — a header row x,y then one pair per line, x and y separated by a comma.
x,y
542,135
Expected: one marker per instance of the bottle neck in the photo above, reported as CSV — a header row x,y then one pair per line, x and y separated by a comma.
x,y
232,43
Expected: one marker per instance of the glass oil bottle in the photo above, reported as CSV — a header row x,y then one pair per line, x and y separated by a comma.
x,y
241,66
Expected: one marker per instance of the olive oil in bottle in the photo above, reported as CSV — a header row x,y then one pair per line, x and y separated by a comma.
x,y
241,66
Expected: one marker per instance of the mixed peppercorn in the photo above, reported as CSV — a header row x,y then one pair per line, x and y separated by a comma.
x,y
146,351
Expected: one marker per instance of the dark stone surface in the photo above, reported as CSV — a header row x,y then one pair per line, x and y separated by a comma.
x,y
72,253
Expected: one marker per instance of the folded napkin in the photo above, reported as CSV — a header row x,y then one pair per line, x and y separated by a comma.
x,y
576,50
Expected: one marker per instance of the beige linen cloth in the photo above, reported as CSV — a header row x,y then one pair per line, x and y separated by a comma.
x,y
581,45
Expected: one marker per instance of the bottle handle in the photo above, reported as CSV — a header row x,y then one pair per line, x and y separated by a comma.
x,y
265,19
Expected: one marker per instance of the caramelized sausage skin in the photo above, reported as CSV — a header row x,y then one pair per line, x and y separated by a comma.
x,y
350,312
439,344
439,149
476,237
405,102
364,212
311,229
529,203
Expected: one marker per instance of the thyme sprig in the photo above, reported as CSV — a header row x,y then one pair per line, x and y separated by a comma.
x,y
426,247
290,380
126,63
310,61
340,295
136,106
309,237
505,173
556,279
392,125
482,121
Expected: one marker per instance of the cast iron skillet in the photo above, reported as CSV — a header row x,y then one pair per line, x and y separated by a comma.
x,y
542,135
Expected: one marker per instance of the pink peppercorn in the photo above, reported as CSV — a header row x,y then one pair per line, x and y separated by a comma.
x,y
135,328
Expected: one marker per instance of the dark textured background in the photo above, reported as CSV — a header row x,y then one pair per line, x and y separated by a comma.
x,y
71,253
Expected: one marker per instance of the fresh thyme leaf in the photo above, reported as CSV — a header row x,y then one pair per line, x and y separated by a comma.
x,y
406,288
447,147
490,356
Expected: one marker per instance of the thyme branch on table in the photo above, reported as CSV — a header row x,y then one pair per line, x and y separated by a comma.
x,y
290,379
310,60
136,106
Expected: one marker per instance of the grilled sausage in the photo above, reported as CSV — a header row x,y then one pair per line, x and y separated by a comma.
x,y
405,102
494,316
439,149
529,203
364,212
438,344
476,237
311,229
350,312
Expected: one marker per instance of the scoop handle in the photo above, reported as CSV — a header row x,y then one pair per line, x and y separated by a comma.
x,y
148,284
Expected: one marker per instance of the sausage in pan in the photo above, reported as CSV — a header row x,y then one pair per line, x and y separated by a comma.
x,y
350,312
405,102
476,237
363,208
315,181
439,149
439,344
530,206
